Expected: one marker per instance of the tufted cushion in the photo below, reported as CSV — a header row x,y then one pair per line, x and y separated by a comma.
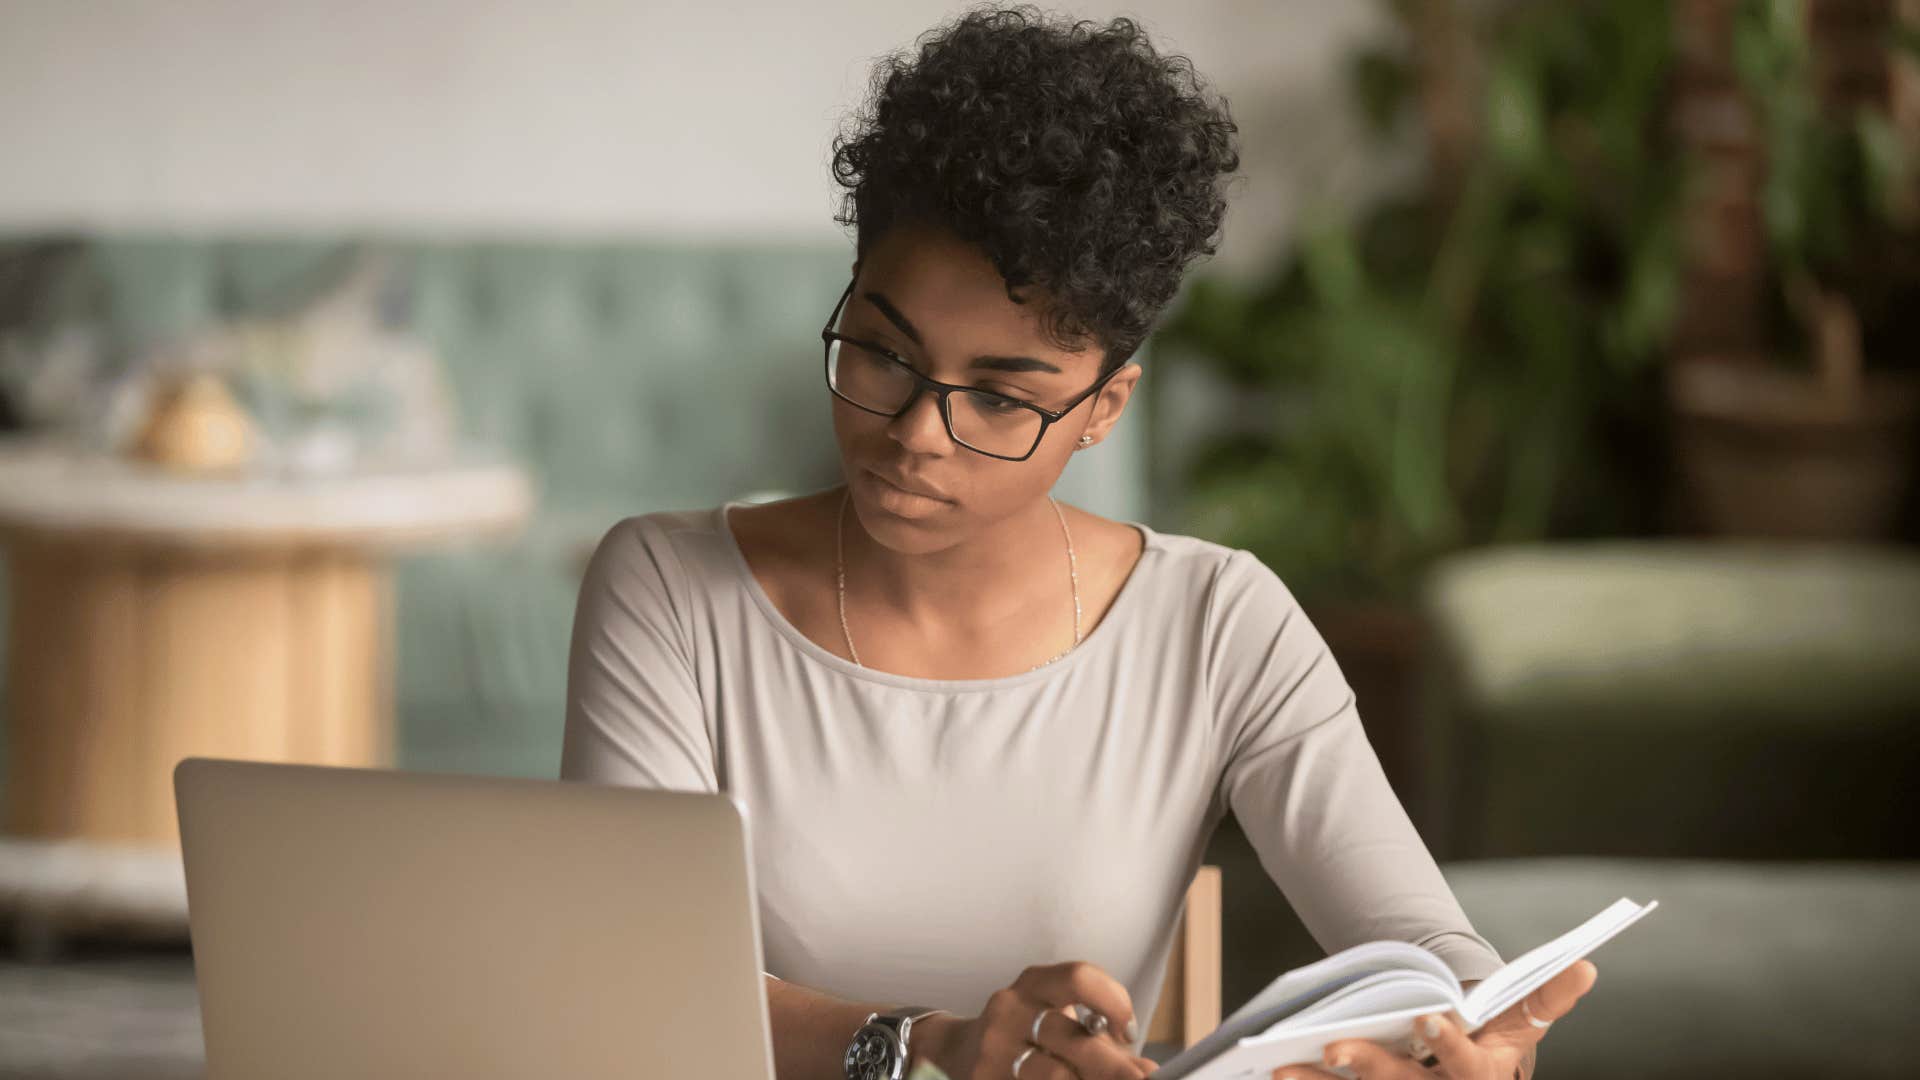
x,y
1745,969
1677,698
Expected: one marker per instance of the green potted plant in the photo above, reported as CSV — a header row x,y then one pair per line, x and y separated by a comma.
x,y
1429,373
1440,370
1811,432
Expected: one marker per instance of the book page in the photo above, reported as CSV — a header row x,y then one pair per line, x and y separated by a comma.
x,y
1381,992
1376,991
1504,988
1359,960
1197,1059
1302,988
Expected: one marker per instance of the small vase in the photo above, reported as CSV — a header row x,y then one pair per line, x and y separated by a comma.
x,y
196,426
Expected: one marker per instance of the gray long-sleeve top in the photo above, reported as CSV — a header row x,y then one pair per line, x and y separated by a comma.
x,y
921,841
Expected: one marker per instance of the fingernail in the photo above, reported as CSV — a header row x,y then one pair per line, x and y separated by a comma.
x,y
1342,1059
1418,1048
1432,1027
1133,1030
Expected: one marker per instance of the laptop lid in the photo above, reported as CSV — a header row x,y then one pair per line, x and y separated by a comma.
x,y
371,922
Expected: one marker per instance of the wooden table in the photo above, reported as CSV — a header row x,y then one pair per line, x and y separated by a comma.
x,y
155,616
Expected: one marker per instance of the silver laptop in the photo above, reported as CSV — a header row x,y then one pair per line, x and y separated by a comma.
x,y
375,923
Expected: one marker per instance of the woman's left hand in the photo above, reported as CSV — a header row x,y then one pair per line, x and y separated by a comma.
x,y
1503,1048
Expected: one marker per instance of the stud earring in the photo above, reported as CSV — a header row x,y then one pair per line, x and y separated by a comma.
x,y
1086,440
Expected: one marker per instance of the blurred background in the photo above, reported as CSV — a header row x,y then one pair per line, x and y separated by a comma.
x,y
1563,358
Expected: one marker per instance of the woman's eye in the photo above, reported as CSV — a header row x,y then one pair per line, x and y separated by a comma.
x,y
877,356
891,352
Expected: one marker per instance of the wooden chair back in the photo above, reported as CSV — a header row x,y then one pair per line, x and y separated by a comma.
x,y
1189,1006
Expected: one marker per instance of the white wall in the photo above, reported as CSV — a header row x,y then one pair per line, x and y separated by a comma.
x,y
644,118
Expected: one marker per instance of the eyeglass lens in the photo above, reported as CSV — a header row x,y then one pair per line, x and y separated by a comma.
x,y
982,421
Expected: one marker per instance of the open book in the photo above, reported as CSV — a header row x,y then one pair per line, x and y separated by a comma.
x,y
1375,991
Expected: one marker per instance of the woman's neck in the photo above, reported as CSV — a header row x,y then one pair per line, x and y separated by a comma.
x,y
975,584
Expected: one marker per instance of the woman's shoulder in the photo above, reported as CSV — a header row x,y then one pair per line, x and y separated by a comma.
x,y
1196,562
652,529
774,539
1174,579
668,542
738,520
1228,590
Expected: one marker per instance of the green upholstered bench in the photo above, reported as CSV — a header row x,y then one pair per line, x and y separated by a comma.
x,y
1729,728
1747,968
1751,968
1676,698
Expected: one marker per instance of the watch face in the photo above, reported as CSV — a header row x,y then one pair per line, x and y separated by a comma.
x,y
874,1054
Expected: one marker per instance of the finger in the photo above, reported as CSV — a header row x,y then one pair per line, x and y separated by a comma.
x,y
1091,1019
1458,1054
1079,982
1525,1024
1371,1061
1302,1072
1090,1055
1517,1026
1041,1065
1556,999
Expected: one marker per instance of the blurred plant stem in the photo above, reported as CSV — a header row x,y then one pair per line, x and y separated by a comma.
x,y
1840,199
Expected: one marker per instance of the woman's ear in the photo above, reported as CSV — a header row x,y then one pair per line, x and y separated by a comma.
x,y
1112,400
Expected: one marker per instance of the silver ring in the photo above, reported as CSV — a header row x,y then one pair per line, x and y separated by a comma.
x,y
1034,1035
1528,1013
1022,1060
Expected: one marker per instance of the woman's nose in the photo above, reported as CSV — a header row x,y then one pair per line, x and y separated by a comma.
x,y
920,426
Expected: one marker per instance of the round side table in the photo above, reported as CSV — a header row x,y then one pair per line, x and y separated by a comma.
x,y
155,616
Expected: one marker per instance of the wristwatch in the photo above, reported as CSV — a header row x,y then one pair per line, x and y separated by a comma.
x,y
879,1048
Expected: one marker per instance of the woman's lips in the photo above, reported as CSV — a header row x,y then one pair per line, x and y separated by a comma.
x,y
898,500
908,489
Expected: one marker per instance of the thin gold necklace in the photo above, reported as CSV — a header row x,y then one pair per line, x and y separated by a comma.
x,y
840,573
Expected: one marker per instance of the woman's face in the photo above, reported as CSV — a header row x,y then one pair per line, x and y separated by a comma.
x,y
939,304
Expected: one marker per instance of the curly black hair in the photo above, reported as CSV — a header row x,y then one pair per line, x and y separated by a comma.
x,y
1081,161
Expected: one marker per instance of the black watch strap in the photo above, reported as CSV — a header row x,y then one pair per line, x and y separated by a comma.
x,y
902,1019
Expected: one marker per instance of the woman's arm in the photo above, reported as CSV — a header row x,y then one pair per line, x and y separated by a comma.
x,y
634,715
812,1030
1294,763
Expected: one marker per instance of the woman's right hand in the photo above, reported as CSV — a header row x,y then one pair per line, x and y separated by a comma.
x,y
984,1047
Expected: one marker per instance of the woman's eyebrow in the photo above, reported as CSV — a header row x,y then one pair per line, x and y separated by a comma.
x,y
996,363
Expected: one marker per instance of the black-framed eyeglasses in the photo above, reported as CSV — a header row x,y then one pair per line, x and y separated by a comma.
x,y
871,377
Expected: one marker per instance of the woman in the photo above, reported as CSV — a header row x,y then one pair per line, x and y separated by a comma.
x,y
983,737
